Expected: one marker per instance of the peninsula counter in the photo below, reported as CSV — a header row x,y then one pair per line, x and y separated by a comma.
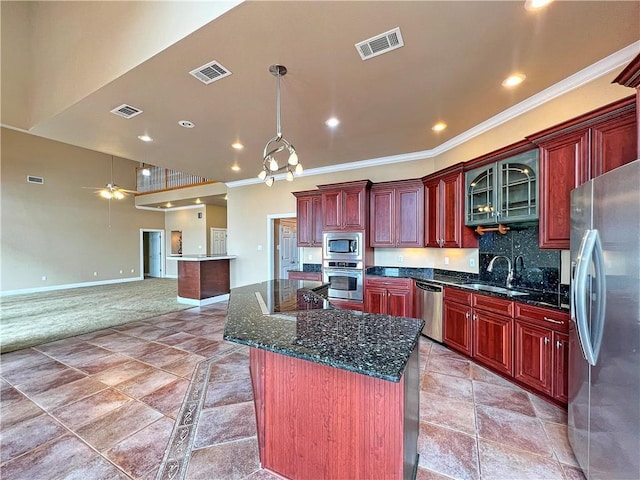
x,y
335,391
203,279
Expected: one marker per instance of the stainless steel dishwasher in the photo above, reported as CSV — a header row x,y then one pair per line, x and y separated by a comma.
x,y
428,303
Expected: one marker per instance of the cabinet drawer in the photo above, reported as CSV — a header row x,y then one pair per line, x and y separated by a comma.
x,y
493,304
456,295
296,275
375,281
543,317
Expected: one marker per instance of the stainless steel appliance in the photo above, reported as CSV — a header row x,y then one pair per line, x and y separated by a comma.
x,y
604,335
345,279
342,246
428,303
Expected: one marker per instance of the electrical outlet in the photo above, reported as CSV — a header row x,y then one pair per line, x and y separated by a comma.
x,y
44,277
400,259
446,260
133,270
95,274
472,262
120,272
259,248
310,257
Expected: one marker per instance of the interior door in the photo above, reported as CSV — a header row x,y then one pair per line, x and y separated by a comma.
x,y
288,250
154,254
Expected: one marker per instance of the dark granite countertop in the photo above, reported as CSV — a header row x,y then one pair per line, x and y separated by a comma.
x,y
371,344
459,279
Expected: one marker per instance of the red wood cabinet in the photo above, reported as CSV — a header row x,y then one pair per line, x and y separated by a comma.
x,y
345,206
397,214
347,304
391,296
296,275
309,218
576,151
481,327
444,211
542,353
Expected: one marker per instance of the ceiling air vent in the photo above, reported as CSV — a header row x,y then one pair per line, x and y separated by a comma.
x,y
34,179
210,72
126,111
383,43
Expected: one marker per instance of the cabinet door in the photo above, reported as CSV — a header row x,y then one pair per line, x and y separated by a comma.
x,y
332,209
452,211
382,215
304,219
533,356
353,204
481,195
564,164
400,302
457,327
432,218
316,223
375,300
518,187
561,366
493,341
613,144
409,214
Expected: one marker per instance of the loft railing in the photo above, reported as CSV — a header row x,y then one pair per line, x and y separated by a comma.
x,y
160,179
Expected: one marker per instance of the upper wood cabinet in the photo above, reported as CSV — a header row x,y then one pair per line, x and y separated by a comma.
x,y
503,192
444,210
573,153
309,218
345,206
397,214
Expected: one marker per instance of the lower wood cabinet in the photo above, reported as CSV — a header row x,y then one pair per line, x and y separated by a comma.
x,y
542,353
391,296
297,275
347,304
481,327
524,342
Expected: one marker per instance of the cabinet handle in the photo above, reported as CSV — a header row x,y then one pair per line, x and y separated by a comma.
x,y
559,322
558,344
475,316
546,340
467,315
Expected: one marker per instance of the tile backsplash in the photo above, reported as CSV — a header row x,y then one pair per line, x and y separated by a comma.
x,y
534,268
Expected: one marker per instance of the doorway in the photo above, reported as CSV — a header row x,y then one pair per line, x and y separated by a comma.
x,y
152,253
276,247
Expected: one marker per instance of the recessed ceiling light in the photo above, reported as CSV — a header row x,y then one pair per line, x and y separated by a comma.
x,y
145,138
513,80
198,201
235,167
438,127
332,122
536,4
237,145
169,205
186,124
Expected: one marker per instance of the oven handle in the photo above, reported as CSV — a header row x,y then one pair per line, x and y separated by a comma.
x,y
343,270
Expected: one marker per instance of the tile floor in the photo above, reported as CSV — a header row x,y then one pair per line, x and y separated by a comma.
x,y
121,403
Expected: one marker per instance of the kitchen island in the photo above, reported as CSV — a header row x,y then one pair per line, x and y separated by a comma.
x,y
335,391
203,279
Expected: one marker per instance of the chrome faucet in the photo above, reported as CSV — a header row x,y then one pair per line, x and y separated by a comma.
x,y
509,275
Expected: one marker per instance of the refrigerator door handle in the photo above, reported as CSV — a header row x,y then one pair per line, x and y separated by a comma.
x,y
590,248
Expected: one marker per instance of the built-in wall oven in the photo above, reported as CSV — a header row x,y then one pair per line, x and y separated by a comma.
x,y
345,279
345,246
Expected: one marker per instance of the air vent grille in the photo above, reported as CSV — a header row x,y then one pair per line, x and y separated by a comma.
x,y
126,111
210,72
34,179
383,43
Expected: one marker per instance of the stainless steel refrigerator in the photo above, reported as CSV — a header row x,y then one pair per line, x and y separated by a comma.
x,y
604,335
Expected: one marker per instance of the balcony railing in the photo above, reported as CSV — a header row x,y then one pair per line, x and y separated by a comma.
x,y
160,179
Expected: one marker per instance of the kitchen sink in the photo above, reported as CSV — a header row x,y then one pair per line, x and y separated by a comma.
x,y
491,288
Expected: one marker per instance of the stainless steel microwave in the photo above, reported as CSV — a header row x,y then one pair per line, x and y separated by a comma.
x,y
342,246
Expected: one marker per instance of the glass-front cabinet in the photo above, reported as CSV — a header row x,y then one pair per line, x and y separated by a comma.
x,y
503,192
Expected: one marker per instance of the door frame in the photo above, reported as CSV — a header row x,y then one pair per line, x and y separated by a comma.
x,y
271,241
163,257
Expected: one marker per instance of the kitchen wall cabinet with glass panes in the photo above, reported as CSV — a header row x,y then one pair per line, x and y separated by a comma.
x,y
503,192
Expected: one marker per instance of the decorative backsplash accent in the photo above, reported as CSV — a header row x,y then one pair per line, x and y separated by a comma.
x,y
534,268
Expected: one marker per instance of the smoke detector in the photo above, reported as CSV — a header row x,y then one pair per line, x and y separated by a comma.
x,y
383,43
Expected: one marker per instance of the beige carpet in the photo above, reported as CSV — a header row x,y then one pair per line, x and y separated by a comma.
x,y
36,318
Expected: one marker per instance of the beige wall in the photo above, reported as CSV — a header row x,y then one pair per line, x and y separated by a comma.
x,y
59,230
249,207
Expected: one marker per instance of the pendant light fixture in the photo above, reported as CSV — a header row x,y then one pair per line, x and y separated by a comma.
x,y
277,144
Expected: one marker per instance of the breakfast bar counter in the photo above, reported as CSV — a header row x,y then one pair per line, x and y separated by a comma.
x,y
335,391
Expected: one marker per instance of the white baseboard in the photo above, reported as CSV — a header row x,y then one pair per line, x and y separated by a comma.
x,y
69,285
205,301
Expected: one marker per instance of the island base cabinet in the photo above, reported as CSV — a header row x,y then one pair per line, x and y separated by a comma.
x,y
320,422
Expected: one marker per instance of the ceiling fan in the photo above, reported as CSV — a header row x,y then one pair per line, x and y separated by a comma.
x,y
111,190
